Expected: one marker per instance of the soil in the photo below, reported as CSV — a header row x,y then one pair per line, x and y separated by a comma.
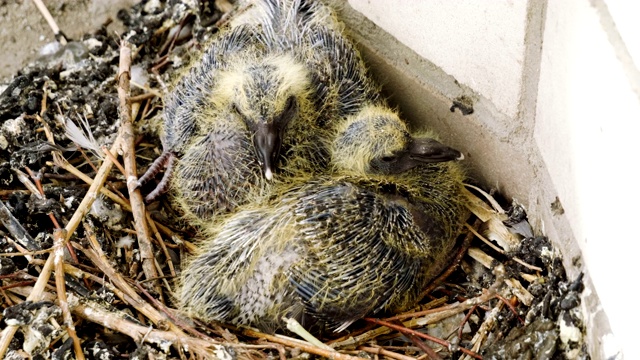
x,y
77,83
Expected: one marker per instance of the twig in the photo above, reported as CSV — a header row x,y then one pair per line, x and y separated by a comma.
x,y
511,307
95,313
18,284
24,179
426,317
302,345
482,257
50,20
144,96
26,253
487,325
496,248
150,91
114,159
70,228
519,291
168,312
419,343
5,193
92,193
163,246
295,327
98,258
405,330
63,163
464,321
81,274
489,198
128,149
58,261
38,288
86,157
42,196
433,315
385,352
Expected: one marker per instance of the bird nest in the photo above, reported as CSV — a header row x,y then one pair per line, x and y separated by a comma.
x,y
87,270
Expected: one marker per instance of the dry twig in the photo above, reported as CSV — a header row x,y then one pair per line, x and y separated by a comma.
x,y
51,21
59,237
302,345
405,330
128,149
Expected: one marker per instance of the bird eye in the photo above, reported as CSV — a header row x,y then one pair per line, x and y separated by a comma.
x,y
388,158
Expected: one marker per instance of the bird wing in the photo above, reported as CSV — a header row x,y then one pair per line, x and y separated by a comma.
x,y
238,275
212,279
190,94
349,270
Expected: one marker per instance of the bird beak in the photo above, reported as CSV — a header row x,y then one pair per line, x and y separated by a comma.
x,y
267,142
428,150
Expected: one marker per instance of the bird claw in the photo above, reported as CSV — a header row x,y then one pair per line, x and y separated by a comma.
x,y
166,162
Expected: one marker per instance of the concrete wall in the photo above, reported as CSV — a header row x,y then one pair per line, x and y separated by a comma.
x,y
555,90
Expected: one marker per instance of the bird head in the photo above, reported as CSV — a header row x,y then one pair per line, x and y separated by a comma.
x,y
267,96
376,141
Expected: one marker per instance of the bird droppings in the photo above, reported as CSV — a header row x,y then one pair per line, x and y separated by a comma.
x,y
114,306
463,103
34,320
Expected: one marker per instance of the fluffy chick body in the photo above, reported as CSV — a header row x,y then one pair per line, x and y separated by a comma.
x,y
333,248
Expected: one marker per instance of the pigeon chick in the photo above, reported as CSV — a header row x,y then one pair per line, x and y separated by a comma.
x,y
332,249
225,120
270,85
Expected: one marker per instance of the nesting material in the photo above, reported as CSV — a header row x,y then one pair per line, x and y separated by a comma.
x,y
82,291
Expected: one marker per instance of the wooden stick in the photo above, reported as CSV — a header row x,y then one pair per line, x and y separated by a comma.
x,y
302,345
405,330
58,261
51,21
385,352
128,149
